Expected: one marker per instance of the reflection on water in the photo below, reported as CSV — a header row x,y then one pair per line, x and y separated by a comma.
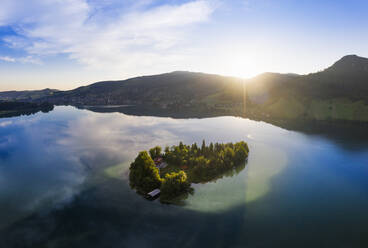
x,y
34,170
63,180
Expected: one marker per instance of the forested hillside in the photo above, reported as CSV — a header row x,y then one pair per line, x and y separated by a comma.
x,y
339,92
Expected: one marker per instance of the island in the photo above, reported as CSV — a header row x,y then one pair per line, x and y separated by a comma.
x,y
169,174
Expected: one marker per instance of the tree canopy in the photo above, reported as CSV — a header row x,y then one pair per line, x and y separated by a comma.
x,y
144,175
208,162
155,152
173,185
185,165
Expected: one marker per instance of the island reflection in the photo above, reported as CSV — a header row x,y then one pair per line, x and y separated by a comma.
x,y
65,174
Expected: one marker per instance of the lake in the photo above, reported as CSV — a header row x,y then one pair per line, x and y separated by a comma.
x,y
64,183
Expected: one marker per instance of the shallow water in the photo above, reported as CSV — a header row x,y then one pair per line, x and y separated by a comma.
x,y
63,182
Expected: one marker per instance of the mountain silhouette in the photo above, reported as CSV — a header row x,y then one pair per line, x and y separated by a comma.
x,y
337,93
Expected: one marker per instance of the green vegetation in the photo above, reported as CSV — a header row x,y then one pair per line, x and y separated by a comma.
x,y
338,93
334,109
174,185
184,165
338,109
144,175
286,108
25,96
205,163
155,152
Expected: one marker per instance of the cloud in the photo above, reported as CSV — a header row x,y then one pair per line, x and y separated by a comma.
x,y
23,60
7,59
5,123
106,35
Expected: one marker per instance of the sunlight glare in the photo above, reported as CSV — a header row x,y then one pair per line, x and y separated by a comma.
x,y
238,62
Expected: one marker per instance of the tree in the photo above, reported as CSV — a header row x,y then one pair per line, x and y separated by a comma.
x,y
173,185
194,147
211,147
202,165
155,152
240,154
144,176
244,145
203,148
229,155
181,145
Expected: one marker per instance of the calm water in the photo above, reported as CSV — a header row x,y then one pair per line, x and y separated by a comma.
x,y
63,183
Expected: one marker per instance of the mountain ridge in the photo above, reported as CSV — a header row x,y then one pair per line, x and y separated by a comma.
x,y
339,92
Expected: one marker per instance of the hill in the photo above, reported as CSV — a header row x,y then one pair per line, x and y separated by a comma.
x,y
338,93
27,95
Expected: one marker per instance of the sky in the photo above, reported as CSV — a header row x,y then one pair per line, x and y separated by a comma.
x,y
63,44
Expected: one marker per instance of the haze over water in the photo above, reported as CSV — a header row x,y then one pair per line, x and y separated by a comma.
x,y
63,178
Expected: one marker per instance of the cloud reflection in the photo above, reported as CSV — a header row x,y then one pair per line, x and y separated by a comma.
x,y
47,157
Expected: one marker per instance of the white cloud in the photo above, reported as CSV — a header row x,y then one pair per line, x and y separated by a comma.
x,y
30,59
23,60
7,59
5,123
104,35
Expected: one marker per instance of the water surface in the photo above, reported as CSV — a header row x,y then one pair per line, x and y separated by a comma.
x,y
63,183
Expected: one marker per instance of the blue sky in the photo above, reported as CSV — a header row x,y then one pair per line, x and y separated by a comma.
x,y
67,43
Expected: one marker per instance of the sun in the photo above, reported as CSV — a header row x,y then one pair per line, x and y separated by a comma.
x,y
242,66
237,62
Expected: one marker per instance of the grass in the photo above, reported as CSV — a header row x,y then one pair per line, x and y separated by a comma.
x,y
338,109
286,107
290,107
